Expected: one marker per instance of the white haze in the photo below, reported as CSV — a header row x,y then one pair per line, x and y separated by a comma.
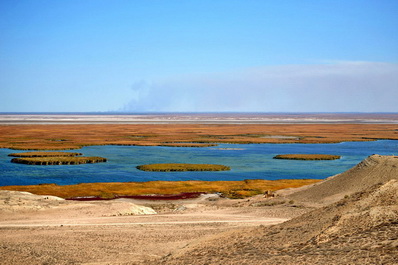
x,y
332,87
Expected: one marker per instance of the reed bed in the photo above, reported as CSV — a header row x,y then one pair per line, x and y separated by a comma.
x,y
307,157
75,136
182,167
230,189
57,160
45,154
187,145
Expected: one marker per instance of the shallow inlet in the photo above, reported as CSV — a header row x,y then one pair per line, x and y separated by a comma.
x,y
247,161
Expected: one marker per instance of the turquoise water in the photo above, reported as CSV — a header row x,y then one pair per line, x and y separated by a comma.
x,y
247,161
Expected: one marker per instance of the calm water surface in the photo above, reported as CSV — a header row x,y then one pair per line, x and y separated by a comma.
x,y
247,161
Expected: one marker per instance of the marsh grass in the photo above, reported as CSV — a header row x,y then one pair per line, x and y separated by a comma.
x,y
75,136
230,189
307,157
182,167
57,160
44,154
187,145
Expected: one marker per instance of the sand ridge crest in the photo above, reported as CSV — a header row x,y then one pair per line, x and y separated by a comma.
x,y
374,169
361,228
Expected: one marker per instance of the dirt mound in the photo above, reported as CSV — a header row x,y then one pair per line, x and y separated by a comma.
x,y
12,201
24,202
373,170
359,229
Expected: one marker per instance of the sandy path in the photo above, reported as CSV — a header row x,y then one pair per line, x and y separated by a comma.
x,y
269,221
141,220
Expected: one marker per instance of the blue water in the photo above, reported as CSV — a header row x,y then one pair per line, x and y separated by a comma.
x,y
254,161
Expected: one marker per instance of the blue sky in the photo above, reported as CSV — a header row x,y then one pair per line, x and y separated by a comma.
x,y
199,56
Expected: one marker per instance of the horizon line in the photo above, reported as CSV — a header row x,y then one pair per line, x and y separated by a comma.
x,y
183,112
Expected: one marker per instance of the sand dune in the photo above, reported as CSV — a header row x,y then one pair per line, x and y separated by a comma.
x,y
373,170
359,229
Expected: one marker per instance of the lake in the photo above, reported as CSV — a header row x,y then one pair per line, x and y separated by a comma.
x,y
247,161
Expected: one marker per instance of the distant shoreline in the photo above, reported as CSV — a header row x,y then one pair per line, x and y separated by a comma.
x,y
198,118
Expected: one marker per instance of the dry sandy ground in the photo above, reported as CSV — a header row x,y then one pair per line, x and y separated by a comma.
x,y
360,229
46,230
351,218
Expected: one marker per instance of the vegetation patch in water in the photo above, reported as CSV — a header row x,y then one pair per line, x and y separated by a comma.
x,y
183,167
57,160
44,154
307,157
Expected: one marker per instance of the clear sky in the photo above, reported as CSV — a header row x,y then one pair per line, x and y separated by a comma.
x,y
199,56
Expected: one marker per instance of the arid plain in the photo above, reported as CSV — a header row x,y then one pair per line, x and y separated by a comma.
x,y
350,218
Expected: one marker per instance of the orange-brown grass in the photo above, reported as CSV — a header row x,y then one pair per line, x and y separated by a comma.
x,y
44,154
187,145
74,136
232,189
57,160
182,167
307,157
